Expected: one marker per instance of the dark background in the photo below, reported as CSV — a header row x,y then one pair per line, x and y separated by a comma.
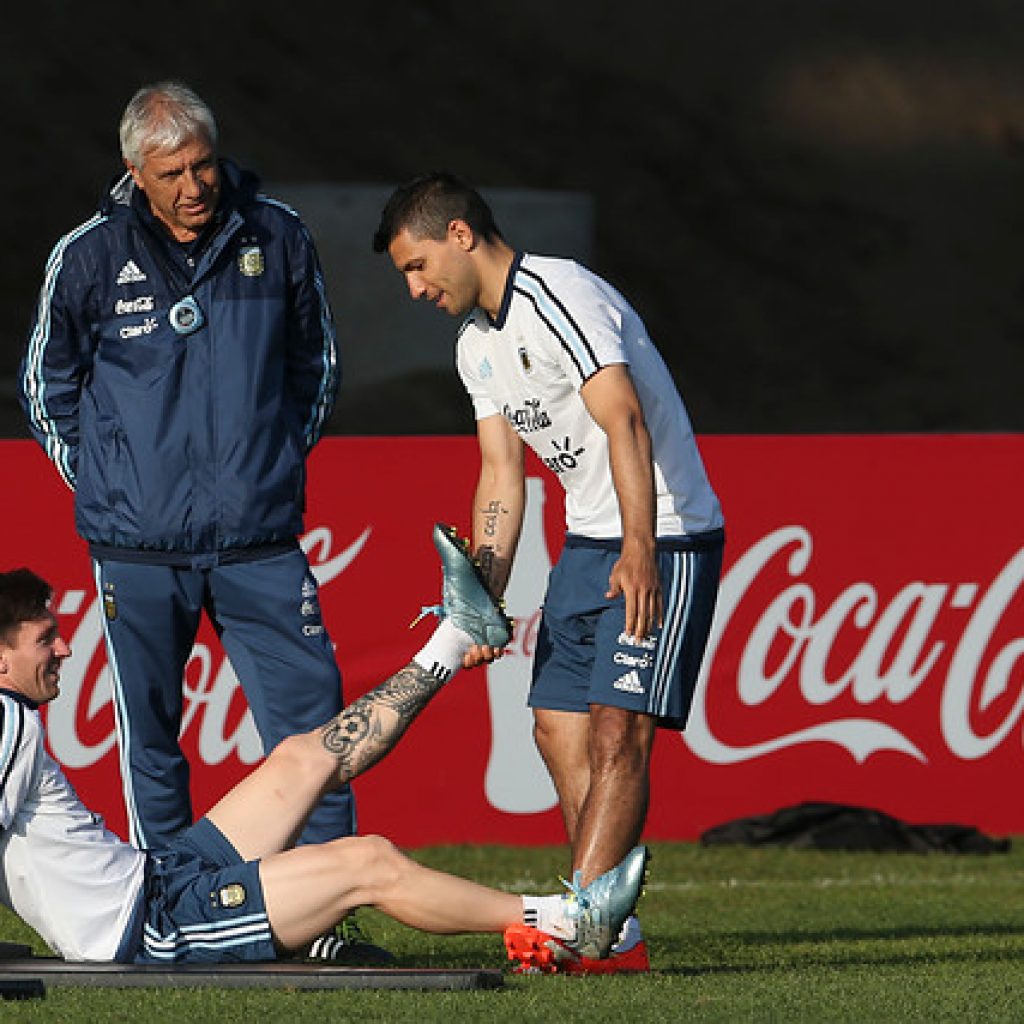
x,y
817,206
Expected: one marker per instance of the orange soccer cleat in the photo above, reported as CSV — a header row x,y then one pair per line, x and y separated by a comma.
x,y
536,952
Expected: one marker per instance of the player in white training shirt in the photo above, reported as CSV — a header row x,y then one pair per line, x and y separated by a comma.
x,y
232,886
555,358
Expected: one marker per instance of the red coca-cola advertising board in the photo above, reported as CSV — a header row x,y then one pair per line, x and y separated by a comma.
x,y
868,646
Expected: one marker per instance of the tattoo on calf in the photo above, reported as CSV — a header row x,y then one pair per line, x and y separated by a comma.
x,y
360,735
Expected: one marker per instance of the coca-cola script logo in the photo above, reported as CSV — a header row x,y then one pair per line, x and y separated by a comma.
x,y
931,663
889,653
80,726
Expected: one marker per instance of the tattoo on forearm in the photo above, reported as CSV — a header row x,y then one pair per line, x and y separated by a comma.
x,y
494,569
485,559
490,514
369,727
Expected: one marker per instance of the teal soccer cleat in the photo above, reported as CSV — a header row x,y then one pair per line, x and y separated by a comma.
x,y
603,906
465,598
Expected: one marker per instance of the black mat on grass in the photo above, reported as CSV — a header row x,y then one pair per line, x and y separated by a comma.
x,y
52,972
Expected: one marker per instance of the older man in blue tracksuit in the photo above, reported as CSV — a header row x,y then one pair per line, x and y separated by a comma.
x,y
181,367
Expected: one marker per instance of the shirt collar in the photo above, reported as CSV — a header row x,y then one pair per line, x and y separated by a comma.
x,y
20,698
506,300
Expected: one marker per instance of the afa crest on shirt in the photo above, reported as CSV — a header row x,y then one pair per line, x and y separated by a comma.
x,y
231,896
524,360
250,260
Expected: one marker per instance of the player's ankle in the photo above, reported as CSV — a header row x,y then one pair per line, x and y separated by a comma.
x,y
442,654
549,914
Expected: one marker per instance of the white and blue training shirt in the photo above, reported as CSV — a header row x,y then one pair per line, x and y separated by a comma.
x,y
558,325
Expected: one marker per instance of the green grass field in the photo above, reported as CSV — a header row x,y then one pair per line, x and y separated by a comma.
x,y
735,935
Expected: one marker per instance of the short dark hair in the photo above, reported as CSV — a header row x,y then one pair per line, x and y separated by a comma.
x,y
24,597
428,204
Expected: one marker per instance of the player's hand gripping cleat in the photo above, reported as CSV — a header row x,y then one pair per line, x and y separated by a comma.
x,y
602,907
465,597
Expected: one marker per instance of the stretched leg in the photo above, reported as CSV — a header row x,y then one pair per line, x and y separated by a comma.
x,y
150,615
265,812
613,812
310,888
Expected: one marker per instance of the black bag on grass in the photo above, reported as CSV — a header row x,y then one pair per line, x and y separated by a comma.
x,y
824,826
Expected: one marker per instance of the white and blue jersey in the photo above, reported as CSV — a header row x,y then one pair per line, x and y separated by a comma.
x,y
557,326
61,871
91,896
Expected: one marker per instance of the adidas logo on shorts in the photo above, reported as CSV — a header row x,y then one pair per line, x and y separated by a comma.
x,y
629,683
130,274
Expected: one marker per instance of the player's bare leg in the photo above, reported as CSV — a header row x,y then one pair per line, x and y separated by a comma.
x,y
310,888
563,739
599,763
266,811
613,812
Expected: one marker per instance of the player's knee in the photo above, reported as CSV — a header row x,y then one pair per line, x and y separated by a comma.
x,y
548,730
374,861
619,741
298,756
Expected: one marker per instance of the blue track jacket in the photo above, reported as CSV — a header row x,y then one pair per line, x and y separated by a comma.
x,y
182,446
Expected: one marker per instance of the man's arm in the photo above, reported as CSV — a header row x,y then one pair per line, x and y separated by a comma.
x,y
612,401
500,501
314,366
498,507
55,362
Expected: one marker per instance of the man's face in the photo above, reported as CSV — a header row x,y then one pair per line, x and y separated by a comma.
x,y
30,661
442,272
182,186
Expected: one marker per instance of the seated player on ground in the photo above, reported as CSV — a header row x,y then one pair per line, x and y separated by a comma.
x,y
233,887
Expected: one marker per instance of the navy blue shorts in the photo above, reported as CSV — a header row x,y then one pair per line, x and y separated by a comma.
x,y
583,654
203,903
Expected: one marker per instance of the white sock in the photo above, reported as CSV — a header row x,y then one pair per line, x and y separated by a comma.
x,y
442,655
548,914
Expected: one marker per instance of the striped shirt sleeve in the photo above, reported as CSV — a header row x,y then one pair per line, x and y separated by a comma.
x,y
15,760
584,326
472,372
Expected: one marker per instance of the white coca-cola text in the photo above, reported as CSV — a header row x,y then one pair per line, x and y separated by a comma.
x,y
210,684
898,652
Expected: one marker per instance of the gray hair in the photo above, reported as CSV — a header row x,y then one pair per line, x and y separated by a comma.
x,y
163,116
